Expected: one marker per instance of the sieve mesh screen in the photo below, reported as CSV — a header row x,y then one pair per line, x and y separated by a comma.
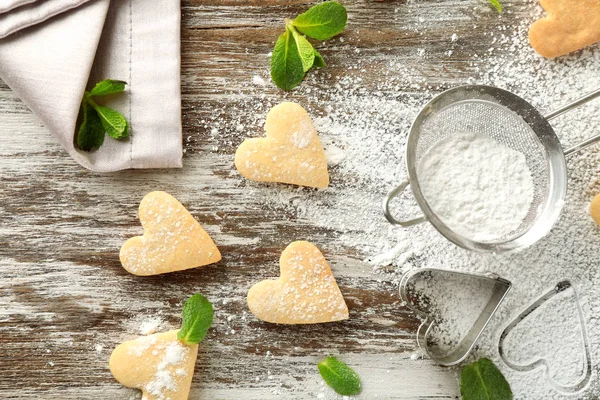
x,y
500,123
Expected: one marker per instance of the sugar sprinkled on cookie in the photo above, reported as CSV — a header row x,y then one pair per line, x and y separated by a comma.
x,y
595,209
173,240
291,152
305,293
570,25
160,365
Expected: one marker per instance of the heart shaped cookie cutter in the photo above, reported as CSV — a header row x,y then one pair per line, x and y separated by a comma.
x,y
587,373
499,291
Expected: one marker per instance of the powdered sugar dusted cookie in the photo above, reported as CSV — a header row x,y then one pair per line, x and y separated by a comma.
x,y
595,209
173,240
291,152
570,25
305,293
160,365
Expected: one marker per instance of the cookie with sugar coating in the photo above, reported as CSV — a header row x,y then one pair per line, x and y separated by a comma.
x,y
160,365
595,209
570,25
173,240
290,153
305,293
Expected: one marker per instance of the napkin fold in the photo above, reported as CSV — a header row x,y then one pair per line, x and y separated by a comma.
x,y
25,13
8,5
49,65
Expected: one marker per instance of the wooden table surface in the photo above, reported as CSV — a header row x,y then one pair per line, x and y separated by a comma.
x,y
65,300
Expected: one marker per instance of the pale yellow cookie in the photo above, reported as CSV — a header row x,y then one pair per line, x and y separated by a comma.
x,y
570,25
305,293
160,365
173,240
595,209
291,152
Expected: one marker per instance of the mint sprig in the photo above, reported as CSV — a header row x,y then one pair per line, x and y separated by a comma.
x,y
293,55
340,376
496,4
197,317
482,380
95,120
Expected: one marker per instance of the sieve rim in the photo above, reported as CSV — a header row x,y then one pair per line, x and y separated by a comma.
x,y
557,177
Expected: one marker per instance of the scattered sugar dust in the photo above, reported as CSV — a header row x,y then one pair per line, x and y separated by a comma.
x,y
366,119
150,325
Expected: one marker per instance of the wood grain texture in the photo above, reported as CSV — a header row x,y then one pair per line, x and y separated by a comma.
x,y
65,301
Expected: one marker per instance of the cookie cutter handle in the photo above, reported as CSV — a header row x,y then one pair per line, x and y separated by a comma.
x,y
388,214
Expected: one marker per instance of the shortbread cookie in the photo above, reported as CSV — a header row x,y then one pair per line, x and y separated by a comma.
x,y
291,152
595,209
173,240
570,25
160,365
305,293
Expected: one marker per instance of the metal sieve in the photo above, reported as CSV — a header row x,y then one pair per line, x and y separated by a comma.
x,y
510,120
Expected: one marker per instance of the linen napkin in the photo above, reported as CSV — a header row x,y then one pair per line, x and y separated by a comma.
x,y
48,59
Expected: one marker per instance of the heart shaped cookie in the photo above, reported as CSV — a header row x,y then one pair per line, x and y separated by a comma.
x,y
305,293
595,209
160,365
173,240
291,152
456,308
570,25
551,333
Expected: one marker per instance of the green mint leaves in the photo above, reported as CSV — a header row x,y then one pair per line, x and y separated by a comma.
x,y
496,4
482,380
340,376
293,55
323,21
95,120
197,317
90,134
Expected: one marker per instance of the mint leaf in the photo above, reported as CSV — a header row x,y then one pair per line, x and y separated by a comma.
x,y
287,68
90,134
497,5
114,122
319,62
107,86
482,380
340,376
323,21
197,317
305,49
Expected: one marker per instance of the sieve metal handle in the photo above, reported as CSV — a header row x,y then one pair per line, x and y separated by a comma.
x,y
569,107
388,214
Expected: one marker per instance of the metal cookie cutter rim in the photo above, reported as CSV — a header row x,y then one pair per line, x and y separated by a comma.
x,y
583,380
456,356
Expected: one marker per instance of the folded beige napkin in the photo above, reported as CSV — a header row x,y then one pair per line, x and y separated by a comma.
x,y
48,64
